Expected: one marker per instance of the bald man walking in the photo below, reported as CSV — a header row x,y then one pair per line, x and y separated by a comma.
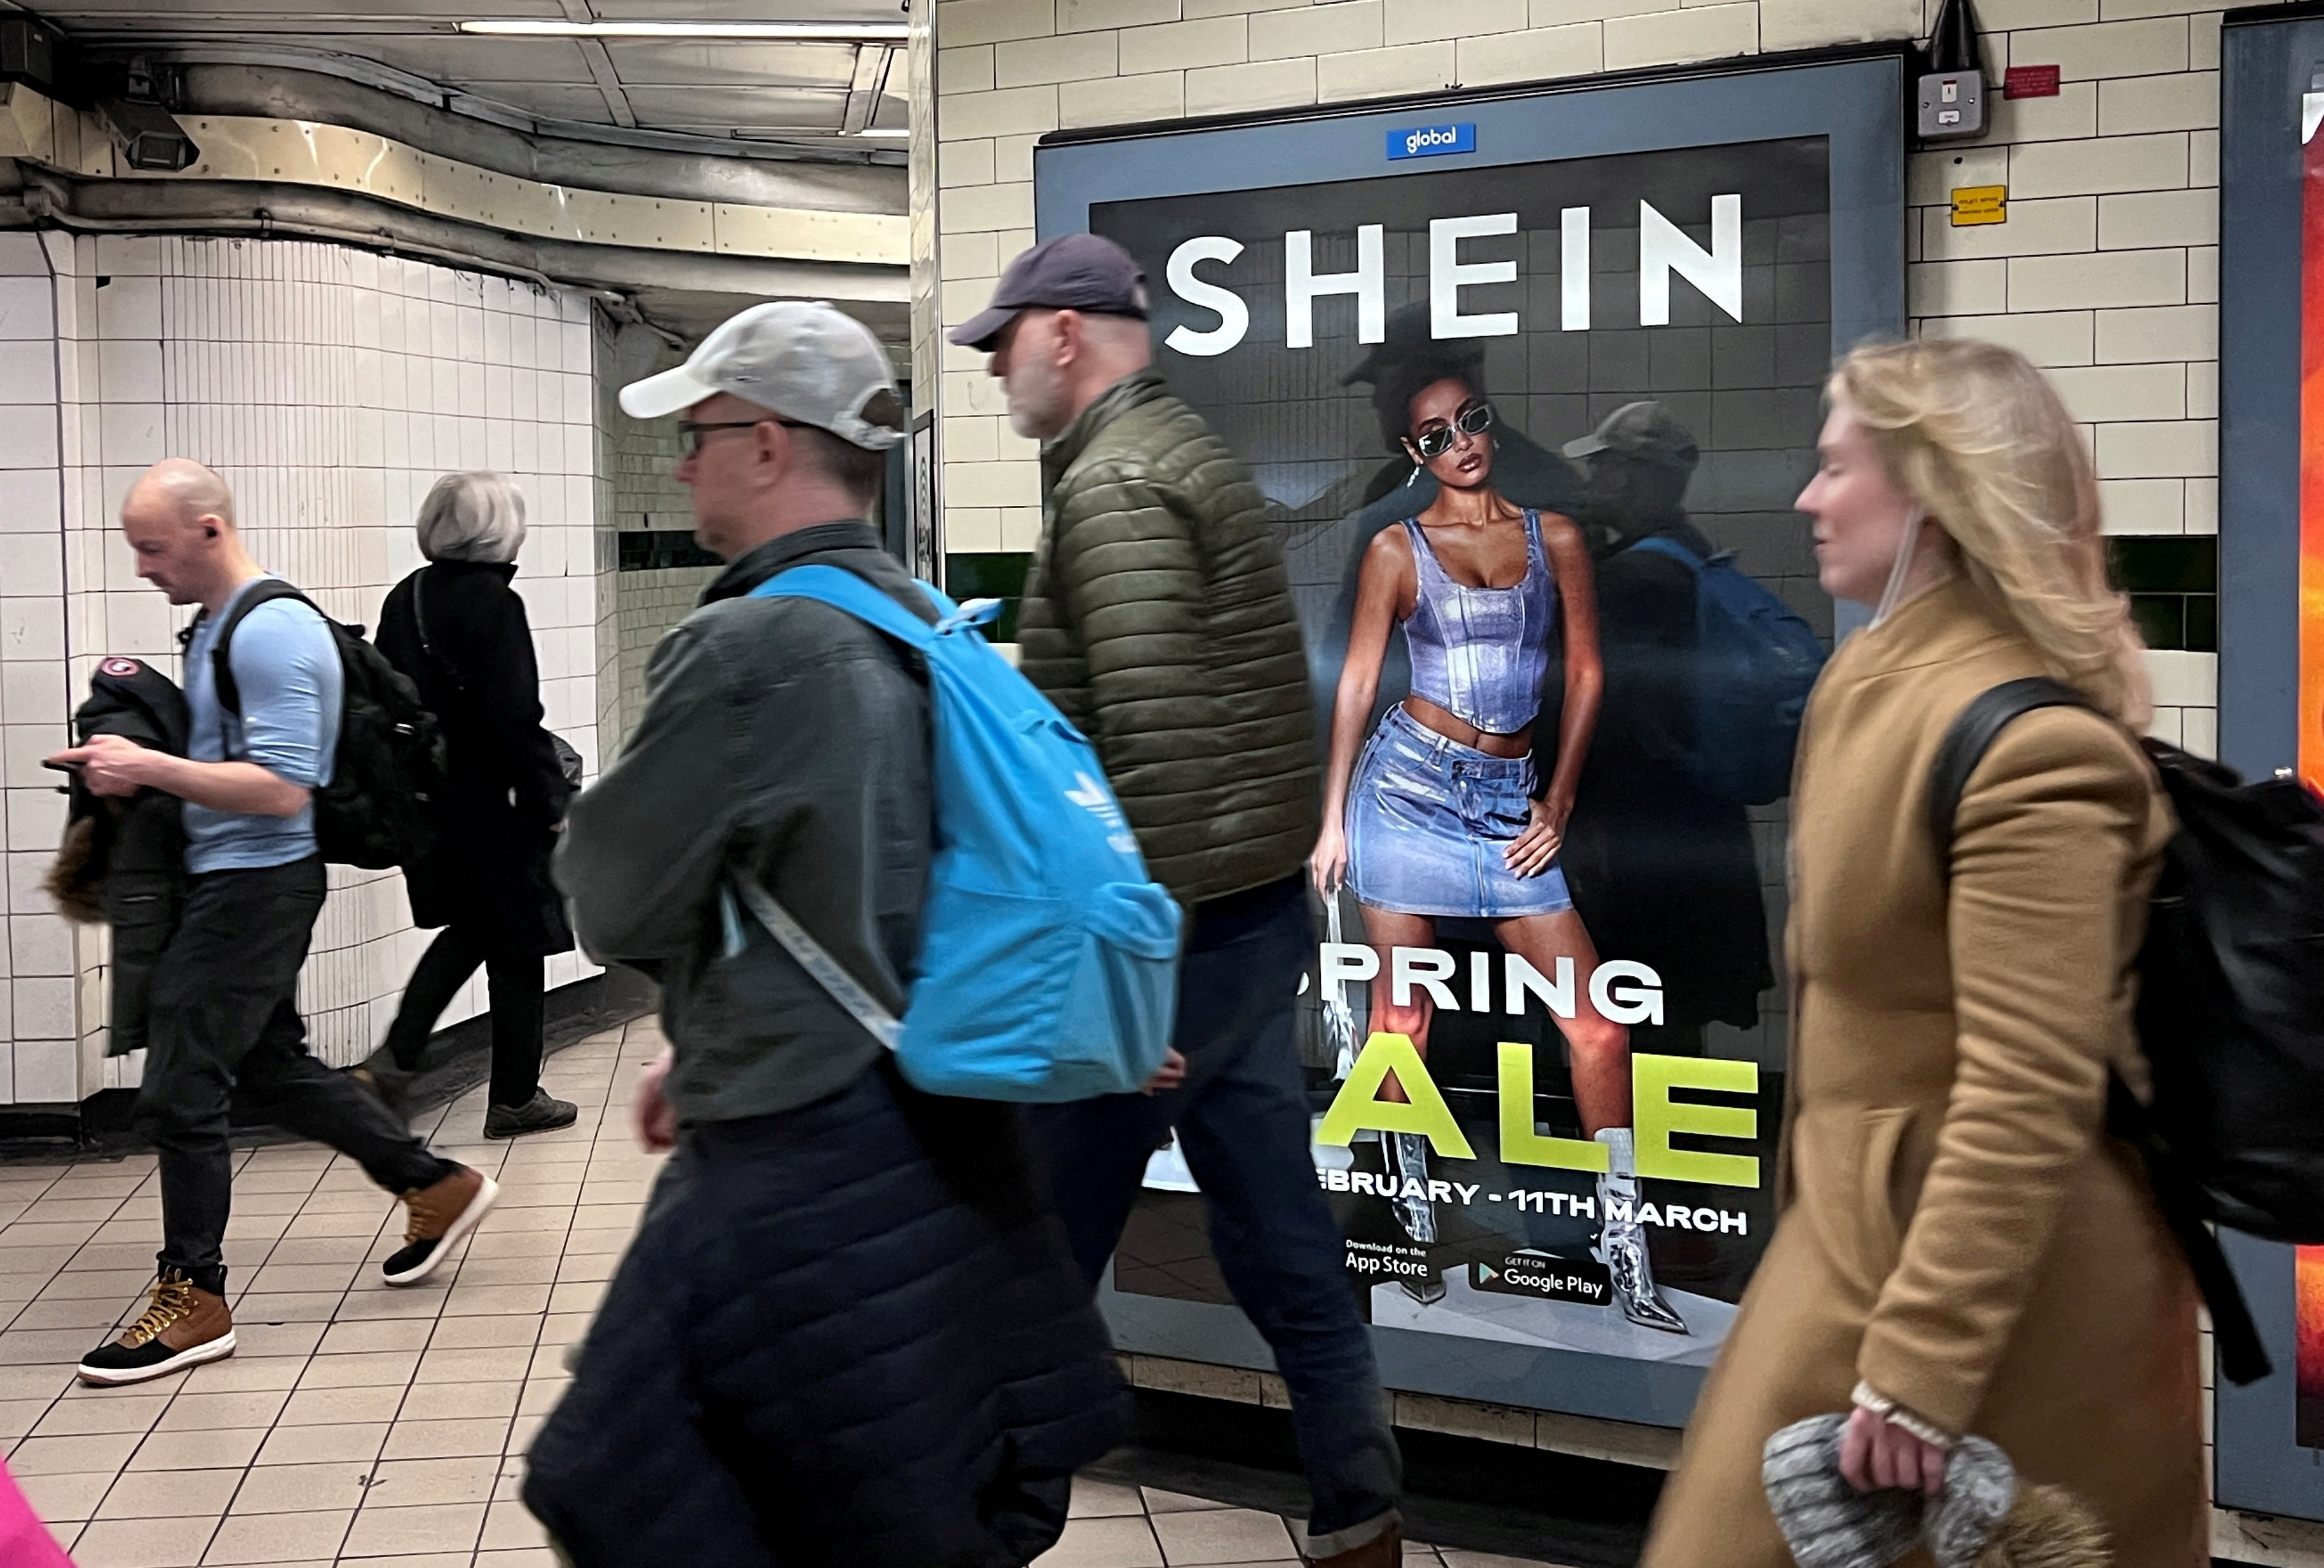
x,y
225,1013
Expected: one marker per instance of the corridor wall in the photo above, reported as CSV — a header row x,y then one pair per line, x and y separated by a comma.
x,y
331,387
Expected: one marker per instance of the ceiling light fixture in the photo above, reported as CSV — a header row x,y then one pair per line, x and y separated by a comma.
x,y
765,31
899,135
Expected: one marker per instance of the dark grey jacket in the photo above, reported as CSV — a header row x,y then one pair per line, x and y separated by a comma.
x,y
1159,618
789,739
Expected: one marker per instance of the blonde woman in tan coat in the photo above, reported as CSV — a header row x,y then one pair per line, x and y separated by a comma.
x,y
1961,1249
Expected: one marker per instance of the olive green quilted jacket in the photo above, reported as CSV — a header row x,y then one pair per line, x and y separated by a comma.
x,y
1159,618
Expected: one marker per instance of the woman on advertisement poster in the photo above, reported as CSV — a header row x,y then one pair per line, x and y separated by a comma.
x,y
1443,816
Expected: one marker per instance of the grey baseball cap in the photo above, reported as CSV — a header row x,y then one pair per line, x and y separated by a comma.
x,y
806,361
1646,430
1076,272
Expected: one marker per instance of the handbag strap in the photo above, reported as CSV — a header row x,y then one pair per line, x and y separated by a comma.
x,y
428,643
812,956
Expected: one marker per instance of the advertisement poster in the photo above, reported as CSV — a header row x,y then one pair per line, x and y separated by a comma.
x,y
1530,428
2270,1444
2309,1276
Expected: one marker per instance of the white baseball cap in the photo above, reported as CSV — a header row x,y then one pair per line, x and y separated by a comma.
x,y
806,361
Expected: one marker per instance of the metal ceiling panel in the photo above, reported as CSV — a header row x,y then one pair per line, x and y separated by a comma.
x,y
747,109
729,62
717,88
220,18
550,100
734,10
464,60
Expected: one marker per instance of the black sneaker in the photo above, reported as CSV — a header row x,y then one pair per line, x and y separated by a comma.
x,y
183,1328
542,1114
440,1216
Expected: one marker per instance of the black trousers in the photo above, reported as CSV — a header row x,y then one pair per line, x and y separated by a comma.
x,y
226,1023
517,997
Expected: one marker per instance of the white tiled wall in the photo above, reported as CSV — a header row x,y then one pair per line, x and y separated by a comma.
x,y
642,494
651,604
39,1016
330,387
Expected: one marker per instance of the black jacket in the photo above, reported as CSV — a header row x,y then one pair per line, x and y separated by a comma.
x,y
846,1336
787,739
123,862
496,826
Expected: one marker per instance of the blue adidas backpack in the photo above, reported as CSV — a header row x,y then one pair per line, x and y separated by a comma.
x,y
1048,960
1755,662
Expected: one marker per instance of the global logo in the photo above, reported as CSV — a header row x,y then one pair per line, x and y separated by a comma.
x,y
1432,141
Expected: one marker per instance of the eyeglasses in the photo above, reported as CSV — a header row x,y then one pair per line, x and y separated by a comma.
x,y
691,433
1475,420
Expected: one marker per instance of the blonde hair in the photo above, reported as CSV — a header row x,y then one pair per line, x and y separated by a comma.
x,y
1981,441
472,517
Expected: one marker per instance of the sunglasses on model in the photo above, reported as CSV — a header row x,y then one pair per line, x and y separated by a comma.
x,y
690,432
1475,420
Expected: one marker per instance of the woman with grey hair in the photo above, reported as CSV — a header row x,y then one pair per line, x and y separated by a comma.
x,y
458,630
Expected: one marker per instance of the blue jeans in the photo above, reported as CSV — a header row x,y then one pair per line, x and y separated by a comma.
x,y
1242,1120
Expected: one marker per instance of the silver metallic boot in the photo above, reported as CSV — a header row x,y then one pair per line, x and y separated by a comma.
x,y
1407,1159
1623,1243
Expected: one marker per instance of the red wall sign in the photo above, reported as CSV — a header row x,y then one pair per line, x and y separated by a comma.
x,y
2030,81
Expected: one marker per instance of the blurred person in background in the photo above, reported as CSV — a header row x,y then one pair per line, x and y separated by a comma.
x,y
458,630
1663,871
1962,1247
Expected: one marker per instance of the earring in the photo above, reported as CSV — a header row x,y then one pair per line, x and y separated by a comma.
x,y
1412,478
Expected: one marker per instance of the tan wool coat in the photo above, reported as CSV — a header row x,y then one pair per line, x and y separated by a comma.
x,y
1956,1230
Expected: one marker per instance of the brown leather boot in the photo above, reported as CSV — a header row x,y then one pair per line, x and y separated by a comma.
x,y
1385,1551
440,1216
183,1328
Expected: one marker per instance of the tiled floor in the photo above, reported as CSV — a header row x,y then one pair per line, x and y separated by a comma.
x,y
360,1424
1120,1527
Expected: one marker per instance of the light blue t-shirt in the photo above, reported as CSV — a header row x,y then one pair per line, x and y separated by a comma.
x,y
286,667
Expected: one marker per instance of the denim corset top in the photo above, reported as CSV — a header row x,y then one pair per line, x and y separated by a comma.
x,y
1480,653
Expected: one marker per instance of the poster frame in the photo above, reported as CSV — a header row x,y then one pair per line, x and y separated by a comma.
x,y
1854,98
2258,1465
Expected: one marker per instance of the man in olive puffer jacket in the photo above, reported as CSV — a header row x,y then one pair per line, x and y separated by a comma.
x,y
1159,618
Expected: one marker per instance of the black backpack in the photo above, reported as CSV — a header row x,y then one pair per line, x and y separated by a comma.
x,y
378,811
2230,1007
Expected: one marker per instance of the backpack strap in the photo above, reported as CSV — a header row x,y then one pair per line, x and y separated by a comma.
x,y
810,953
2242,1357
263,591
843,590
1978,726
1670,549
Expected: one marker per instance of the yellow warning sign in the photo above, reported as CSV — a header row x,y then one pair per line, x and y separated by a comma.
x,y
1973,204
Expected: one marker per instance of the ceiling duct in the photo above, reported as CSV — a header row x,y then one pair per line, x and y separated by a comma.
x,y
42,59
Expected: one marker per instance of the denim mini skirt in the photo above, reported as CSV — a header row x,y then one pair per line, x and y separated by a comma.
x,y
1429,825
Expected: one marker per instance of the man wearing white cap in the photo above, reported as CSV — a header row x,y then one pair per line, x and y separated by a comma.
x,y
848,1327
